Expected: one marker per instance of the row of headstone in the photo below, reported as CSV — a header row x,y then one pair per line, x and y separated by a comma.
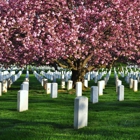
x,y
95,75
38,76
132,76
57,75
16,76
4,75
50,88
6,83
81,102
62,77
27,74
133,79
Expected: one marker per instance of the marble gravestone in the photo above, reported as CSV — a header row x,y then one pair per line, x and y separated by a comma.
x,y
94,94
48,88
78,89
120,92
22,100
54,88
135,85
25,86
80,112
4,86
69,84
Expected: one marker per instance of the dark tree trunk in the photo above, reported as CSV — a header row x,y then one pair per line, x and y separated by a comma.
x,y
78,76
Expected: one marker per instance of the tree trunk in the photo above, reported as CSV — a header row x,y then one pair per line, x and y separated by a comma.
x,y
78,76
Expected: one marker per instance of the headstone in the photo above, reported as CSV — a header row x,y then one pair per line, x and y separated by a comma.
x,y
4,86
86,83
120,92
14,78
25,86
118,83
69,84
100,87
94,94
88,76
63,76
22,100
103,82
66,78
54,88
78,88
54,78
44,83
62,83
131,83
135,85
80,112
95,79
106,80
48,88
9,82
26,79
127,79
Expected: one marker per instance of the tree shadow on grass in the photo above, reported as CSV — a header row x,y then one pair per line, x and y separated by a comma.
x,y
19,129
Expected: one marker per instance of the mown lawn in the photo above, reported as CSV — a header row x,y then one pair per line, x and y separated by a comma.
x,y
52,119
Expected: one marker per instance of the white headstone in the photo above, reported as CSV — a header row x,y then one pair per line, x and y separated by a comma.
x,y
127,79
80,112
135,85
120,92
4,86
95,79
14,78
22,100
26,79
88,76
54,88
44,83
78,88
118,83
86,83
103,82
131,83
48,88
100,87
25,86
94,94
62,83
63,76
69,84
54,78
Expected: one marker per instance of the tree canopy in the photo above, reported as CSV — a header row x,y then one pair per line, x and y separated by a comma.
x,y
77,34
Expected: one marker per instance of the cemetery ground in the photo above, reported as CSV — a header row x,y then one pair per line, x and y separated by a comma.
x,y
52,119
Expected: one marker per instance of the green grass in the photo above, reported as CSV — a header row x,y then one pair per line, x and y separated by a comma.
x,y
52,119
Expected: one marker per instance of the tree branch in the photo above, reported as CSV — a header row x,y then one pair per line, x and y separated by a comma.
x,y
68,62
90,68
60,64
87,59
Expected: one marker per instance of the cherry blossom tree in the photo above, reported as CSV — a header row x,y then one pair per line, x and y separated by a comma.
x,y
81,35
